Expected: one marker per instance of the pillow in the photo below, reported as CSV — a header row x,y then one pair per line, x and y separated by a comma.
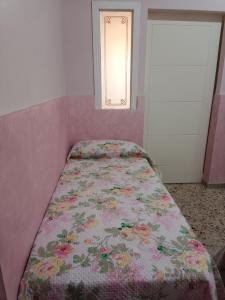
x,y
106,149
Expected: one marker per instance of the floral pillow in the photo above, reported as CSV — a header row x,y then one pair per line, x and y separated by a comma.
x,y
106,149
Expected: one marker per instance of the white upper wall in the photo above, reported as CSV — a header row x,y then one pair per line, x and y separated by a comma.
x,y
78,48
77,37
197,5
31,53
40,39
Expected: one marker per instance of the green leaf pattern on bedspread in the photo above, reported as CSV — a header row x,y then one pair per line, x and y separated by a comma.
x,y
112,231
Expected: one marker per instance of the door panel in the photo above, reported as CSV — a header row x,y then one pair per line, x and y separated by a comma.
x,y
182,52
175,118
177,83
171,151
170,43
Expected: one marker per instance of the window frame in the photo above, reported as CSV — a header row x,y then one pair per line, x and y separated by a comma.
x,y
133,6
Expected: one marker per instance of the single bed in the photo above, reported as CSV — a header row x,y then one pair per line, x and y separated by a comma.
x,y
112,231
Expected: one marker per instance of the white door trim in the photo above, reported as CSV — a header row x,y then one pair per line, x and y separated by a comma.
x,y
98,5
209,77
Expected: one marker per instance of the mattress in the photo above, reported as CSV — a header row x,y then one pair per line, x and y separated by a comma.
x,y
112,231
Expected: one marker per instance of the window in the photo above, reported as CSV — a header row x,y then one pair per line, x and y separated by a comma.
x,y
115,42
115,32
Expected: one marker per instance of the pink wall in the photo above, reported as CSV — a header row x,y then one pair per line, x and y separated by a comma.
x,y
33,148
34,144
88,123
214,171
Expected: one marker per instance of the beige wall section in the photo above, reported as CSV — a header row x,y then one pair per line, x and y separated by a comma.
x,y
31,53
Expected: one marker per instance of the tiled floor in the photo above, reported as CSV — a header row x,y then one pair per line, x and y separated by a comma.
x,y
204,209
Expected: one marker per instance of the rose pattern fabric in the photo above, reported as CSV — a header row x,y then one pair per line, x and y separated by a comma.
x,y
106,148
112,231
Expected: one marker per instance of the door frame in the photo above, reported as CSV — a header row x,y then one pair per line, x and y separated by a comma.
x,y
187,16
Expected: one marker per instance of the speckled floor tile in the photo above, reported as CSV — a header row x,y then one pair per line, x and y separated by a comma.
x,y
204,209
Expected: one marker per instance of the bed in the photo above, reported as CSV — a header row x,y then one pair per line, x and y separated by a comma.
x,y
112,231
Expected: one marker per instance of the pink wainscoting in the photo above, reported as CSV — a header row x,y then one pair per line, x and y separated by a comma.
x,y
33,148
214,171
88,123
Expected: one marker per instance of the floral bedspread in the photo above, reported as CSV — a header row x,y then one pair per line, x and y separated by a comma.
x,y
112,231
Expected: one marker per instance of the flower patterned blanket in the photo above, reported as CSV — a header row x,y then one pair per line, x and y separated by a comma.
x,y
112,231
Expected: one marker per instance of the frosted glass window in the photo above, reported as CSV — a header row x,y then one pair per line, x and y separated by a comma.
x,y
116,46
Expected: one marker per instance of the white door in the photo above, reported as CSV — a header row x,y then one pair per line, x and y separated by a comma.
x,y
182,51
